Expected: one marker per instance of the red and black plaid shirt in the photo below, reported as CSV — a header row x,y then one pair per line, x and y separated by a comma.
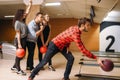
x,y
72,34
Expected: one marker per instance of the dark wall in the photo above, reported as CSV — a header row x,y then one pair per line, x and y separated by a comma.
x,y
90,39
6,30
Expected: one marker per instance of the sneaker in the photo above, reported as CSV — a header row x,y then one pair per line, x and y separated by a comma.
x,y
65,79
14,69
42,68
21,72
51,68
30,78
28,68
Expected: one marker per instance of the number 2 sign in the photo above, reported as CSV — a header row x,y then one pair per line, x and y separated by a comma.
x,y
110,37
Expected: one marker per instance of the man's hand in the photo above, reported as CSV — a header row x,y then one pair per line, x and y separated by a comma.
x,y
42,28
100,62
67,49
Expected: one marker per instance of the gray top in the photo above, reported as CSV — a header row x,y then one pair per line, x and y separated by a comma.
x,y
32,29
21,26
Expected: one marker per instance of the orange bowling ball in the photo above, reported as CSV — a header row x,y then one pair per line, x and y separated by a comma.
x,y
43,49
20,53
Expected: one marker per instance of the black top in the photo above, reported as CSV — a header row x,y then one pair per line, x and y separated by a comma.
x,y
46,32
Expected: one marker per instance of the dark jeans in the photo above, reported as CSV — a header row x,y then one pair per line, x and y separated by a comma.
x,y
52,50
31,48
17,59
40,55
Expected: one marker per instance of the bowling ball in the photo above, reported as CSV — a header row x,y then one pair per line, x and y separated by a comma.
x,y
20,53
43,49
108,65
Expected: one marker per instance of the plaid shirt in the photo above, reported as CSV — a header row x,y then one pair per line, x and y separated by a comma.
x,y
72,34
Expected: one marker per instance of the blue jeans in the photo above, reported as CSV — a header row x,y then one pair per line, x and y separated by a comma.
x,y
52,50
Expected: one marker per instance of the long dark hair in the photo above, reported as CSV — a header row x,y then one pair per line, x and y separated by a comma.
x,y
19,14
83,21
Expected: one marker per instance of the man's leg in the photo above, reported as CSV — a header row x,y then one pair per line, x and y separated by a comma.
x,y
70,60
52,50
31,48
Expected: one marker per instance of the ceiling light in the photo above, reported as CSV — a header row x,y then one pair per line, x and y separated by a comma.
x,y
9,16
34,2
53,4
114,14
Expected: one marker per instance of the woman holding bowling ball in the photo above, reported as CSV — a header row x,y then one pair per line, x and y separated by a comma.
x,y
21,35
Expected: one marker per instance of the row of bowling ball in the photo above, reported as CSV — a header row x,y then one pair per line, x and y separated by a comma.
x,y
21,52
